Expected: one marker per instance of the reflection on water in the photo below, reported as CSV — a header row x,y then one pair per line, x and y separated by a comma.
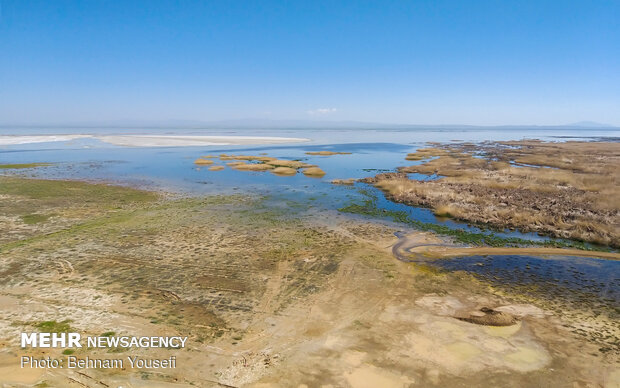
x,y
586,282
173,168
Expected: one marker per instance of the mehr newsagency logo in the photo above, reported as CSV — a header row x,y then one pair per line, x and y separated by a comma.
x,y
76,341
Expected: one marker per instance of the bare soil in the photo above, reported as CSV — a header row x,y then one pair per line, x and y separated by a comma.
x,y
269,298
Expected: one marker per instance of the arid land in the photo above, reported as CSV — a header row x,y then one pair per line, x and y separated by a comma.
x,y
268,298
568,190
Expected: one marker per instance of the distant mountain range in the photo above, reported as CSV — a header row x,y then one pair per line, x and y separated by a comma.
x,y
589,124
283,124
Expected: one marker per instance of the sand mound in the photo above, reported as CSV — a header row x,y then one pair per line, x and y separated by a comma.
x,y
252,166
287,163
252,157
314,172
268,163
490,317
284,171
216,168
202,162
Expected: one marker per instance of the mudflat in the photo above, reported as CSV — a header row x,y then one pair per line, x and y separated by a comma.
x,y
267,296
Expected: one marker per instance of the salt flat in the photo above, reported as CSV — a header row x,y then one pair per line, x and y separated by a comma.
x,y
153,140
184,141
17,139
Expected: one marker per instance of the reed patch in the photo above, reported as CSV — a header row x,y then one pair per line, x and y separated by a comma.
x,y
566,190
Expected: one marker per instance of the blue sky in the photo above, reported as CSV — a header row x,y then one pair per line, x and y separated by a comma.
x,y
419,62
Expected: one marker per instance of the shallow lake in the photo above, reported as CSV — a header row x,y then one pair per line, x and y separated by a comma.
x,y
172,168
372,151
586,282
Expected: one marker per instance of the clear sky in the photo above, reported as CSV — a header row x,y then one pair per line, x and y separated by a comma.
x,y
418,62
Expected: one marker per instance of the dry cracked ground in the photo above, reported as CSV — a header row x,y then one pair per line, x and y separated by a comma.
x,y
266,297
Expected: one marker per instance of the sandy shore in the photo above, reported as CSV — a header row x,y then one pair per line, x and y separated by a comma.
x,y
445,252
153,140
420,245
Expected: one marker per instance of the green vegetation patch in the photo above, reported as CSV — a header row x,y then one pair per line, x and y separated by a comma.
x,y
31,219
369,208
74,191
54,326
23,165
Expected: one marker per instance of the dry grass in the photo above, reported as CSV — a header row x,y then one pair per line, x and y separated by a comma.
x,y
252,166
254,158
345,182
314,172
563,189
203,162
426,153
450,164
406,187
288,163
284,171
327,153
268,163
447,211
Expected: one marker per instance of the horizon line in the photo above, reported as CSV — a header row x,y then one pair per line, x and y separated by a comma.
x,y
281,123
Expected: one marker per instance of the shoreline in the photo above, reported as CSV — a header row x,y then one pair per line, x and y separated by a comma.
x,y
428,250
415,244
152,140
446,252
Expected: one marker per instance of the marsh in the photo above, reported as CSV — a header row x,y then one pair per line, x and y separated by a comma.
x,y
269,272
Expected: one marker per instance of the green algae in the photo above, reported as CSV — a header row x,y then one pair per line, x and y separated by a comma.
x,y
54,326
31,219
369,208
23,165
73,191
